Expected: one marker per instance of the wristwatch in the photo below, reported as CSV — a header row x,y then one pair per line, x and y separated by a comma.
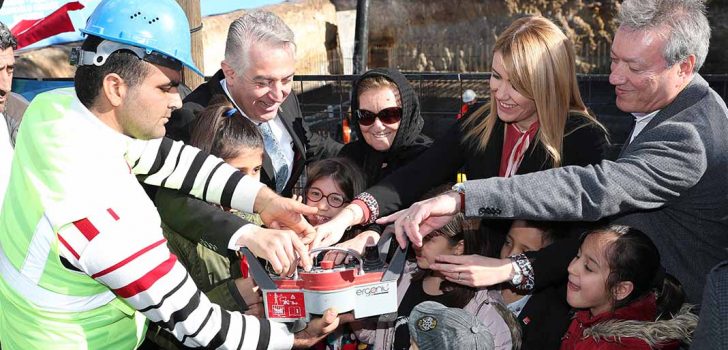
x,y
460,188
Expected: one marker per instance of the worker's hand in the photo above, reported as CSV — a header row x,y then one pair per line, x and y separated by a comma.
x,y
250,293
279,247
316,330
279,212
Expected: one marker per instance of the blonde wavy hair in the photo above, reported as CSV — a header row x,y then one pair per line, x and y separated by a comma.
x,y
540,62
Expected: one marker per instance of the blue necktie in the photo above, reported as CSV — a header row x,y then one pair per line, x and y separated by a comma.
x,y
276,156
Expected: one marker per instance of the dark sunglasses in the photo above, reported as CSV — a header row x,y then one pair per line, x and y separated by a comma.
x,y
389,115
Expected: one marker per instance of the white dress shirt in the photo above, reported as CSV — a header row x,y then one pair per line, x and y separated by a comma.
x,y
641,120
276,125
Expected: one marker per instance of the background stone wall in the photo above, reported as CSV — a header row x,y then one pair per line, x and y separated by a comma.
x,y
415,35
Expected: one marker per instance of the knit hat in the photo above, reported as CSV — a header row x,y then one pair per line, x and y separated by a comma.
x,y
435,326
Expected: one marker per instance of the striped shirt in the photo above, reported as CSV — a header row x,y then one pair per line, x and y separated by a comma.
x,y
107,228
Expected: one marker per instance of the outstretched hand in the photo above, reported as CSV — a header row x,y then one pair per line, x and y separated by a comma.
x,y
329,232
278,212
279,247
422,218
473,270
357,244
316,330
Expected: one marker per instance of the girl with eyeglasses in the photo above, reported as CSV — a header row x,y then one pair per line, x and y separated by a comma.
x,y
331,184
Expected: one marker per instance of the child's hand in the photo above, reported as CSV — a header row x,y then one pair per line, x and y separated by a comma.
x,y
329,232
357,244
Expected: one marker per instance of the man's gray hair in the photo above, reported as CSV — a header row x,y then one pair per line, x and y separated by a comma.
x,y
6,38
688,27
253,28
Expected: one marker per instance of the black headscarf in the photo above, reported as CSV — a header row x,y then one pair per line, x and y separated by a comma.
x,y
409,141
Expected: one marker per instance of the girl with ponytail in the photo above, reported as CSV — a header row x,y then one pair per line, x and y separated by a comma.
x,y
625,300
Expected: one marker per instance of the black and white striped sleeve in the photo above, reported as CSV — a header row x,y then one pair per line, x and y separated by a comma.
x,y
175,165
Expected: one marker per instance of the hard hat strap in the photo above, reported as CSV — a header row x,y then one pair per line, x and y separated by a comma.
x,y
106,48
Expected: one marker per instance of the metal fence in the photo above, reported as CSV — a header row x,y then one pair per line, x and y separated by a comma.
x,y
324,99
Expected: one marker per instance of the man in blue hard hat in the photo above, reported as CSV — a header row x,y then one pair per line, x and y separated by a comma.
x,y
83,263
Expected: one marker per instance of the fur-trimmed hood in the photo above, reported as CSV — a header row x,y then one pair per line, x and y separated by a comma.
x,y
632,326
656,334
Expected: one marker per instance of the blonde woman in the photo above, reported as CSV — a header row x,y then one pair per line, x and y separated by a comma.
x,y
535,120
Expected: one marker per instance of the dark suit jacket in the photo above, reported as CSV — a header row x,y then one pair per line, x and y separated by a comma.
x,y
711,331
545,319
306,145
206,224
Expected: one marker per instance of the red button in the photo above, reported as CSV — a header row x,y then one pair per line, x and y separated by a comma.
x,y
327,264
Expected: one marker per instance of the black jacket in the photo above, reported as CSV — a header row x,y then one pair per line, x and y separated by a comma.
x,y
584,143
545,319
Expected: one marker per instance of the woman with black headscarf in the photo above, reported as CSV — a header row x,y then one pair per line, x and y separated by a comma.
x,y
386,116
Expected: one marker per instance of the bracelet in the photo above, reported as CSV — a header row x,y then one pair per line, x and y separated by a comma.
x,y
372,204
523,278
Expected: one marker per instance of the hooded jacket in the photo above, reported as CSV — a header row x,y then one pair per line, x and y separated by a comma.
x,y
630,327
409,141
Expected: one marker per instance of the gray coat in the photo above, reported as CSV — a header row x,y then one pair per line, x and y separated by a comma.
x,y
711,331
671,182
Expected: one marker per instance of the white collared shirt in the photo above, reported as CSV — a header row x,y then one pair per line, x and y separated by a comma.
x,y
277,127
6,157
641,120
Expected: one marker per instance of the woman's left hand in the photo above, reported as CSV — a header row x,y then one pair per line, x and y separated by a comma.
x,y
473,270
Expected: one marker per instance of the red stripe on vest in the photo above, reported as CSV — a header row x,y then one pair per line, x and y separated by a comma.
x,y
129,259
113,214
86,228
146,281
68,246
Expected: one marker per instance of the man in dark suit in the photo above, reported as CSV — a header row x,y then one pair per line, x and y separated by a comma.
x,y
256,77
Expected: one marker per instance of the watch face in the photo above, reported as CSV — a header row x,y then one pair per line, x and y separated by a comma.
x,y
458,187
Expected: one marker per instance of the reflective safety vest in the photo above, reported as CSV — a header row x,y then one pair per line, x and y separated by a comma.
x,y
44,304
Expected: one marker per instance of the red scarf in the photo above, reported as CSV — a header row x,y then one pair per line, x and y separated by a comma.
x,y
514,148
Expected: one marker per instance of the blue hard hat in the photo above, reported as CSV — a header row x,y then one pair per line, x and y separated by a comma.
x,y
157,26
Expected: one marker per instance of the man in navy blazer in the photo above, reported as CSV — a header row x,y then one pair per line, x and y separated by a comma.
x,y
671,178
